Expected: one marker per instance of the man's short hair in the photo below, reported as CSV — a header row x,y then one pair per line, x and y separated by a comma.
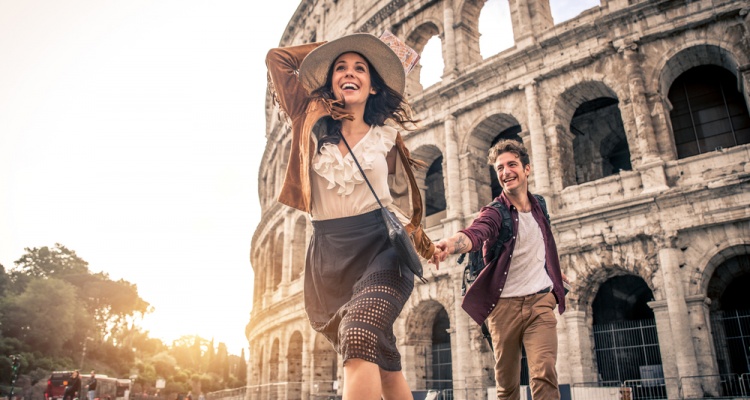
x,y
508,146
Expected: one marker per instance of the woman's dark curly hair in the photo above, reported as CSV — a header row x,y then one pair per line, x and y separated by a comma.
x,y
385,104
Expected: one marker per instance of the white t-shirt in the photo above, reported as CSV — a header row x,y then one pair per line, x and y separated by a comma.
x,y
527,274
338,188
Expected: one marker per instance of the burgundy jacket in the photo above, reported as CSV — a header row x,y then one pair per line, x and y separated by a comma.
x,y
484,293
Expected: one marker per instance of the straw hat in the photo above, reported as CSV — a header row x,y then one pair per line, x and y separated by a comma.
x,y
314,68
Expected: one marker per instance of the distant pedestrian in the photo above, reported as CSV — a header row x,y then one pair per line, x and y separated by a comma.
x,y
91,386
73,388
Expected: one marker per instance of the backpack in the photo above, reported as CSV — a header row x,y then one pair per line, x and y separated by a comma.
x,y
476,259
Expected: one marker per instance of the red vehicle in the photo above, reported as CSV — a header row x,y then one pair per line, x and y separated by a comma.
x,y
56,385
106,389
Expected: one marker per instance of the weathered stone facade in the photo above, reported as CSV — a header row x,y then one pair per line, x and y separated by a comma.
x,y
595,99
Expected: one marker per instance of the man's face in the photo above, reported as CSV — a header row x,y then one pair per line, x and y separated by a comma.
x,y
511,173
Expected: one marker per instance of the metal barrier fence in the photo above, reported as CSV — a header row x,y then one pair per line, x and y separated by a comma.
x,y
649,388
715,386
228,394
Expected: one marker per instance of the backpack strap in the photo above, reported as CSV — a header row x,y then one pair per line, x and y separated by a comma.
x,y
543,204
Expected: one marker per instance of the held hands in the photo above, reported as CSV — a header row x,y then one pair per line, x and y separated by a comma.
x,y
445,247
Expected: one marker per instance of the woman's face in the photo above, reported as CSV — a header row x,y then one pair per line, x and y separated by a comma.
x,y
350,80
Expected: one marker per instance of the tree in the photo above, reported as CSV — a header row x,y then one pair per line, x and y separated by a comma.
x,y
108,302
242,369
42,317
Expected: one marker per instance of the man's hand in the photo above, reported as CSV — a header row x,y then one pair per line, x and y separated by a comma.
x,y
456,244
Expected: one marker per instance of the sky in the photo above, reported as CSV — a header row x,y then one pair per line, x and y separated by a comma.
x,y
131,132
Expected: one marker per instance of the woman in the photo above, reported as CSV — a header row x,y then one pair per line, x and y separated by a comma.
x,y
73,387
354,286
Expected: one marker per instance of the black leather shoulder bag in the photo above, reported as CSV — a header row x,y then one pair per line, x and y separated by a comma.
x,y
396,232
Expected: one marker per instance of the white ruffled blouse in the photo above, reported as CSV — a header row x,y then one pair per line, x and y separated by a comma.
x,y
338,188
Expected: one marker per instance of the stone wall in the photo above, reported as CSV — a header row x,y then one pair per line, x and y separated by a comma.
x,y
676,223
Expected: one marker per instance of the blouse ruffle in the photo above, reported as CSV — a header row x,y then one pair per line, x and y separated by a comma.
x,y
341,172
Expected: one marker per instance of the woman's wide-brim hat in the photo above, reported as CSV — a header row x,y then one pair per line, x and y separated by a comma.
x,y
382,57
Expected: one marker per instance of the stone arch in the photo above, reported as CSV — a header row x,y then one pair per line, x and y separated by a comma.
x,y
299,247
467,32
624,329
417,38
294,365
432,183
582,102
680,58
481,136
419,324
729,308
713,259
708,113
692,54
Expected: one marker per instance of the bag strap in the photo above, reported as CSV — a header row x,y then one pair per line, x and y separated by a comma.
x,y
362,171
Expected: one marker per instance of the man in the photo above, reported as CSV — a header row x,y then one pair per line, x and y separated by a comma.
x,y
515,294
91,386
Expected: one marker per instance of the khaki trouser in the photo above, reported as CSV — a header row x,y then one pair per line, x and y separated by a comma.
x,y
529,321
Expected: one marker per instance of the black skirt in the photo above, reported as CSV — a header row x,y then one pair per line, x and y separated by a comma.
x,y
355,288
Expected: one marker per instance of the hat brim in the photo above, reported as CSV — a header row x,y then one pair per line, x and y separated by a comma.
x,y
314,68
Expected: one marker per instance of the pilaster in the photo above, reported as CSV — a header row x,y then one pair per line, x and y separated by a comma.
x,y
579,359
538,141
681,335
451,66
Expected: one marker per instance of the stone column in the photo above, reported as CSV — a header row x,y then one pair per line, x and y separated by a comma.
x,y
651,165
637,90
307,349
579,360
529,18
614,5
465,164
463,358
700,324
681,335
451,65
452,178
288,256
666,348
538,141
745,83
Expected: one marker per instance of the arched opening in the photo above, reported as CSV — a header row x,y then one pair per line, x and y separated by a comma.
x,y
429,328
433,188
294,367
487,133
708,112
495,28
435,192
442,364
425,40
432,73
730,315
324,368
625,337
299,247
510,134
600,146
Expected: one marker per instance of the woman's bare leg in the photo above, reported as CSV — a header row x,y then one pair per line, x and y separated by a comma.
x,y
394,386
361,380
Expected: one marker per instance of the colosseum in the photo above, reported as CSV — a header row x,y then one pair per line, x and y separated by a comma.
x,y
635,113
